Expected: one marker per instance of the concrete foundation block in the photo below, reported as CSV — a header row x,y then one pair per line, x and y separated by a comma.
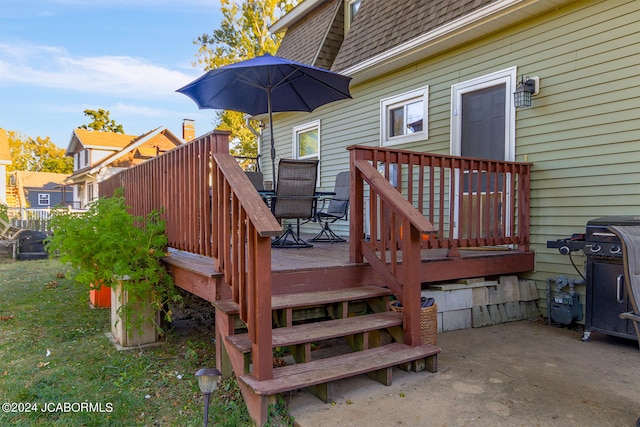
x,y
528,290
511,288
456,319
439,322
496,295
457,299
513,311
480,316
471,281
480,296
496,314
529,309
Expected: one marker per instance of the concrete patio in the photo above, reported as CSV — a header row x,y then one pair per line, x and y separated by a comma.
x,y
515,374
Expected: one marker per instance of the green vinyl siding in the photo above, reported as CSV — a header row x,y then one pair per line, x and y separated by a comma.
x,y
582,132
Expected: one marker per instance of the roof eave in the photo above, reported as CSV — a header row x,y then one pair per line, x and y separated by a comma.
x,y
297,13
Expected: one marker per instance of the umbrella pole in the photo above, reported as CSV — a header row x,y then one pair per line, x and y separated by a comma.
x,y
273,146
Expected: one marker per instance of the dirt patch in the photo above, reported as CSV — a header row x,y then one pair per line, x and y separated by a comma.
x,y
193,315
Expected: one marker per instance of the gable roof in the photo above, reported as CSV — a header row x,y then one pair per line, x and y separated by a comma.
x,y
39,179
386,35
306,40
87,138
5,154
395,24
135,151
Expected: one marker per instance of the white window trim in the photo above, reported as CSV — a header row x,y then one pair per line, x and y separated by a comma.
x,y
508,77
303,128
294,145
42,196
385,104
347,15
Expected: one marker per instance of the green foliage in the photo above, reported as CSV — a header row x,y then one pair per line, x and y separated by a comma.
x,y
243,34
108,245
4,212
101,122
37,155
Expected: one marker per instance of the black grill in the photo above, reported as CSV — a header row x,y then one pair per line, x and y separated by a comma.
x,y
605,293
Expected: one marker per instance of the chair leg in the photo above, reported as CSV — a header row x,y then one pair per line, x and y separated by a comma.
x,y
327,235
295,241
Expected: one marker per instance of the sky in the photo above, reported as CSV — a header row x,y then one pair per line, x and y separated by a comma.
x,y
61,57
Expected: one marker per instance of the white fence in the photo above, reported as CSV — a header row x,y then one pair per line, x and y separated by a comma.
x,y
33,219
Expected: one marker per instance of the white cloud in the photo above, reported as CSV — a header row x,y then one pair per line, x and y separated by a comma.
x,y
53,67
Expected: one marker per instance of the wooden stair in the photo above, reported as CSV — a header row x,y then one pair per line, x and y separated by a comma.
x,y
359,315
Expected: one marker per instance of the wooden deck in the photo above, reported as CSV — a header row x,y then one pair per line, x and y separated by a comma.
x,y
326,266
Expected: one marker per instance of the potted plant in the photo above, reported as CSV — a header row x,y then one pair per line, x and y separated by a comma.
x,y
108,245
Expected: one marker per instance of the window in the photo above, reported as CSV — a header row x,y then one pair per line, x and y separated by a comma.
x,y
403,118
351,8
306,141
89,192
43,200
86,157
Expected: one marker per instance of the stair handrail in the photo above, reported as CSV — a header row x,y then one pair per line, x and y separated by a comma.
x,y
212,209
399,266
245,226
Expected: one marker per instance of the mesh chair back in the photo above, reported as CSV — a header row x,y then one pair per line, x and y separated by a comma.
x,y
295,188
257,179
339,203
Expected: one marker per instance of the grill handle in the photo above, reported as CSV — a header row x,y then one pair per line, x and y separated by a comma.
x,y
619,283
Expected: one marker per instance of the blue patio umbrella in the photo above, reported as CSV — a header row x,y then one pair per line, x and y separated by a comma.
x,y
267,84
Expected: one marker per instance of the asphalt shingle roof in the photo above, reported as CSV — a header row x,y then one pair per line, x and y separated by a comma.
x,y
382,24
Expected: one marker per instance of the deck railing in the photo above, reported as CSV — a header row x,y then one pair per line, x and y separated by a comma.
x,y
471,202
402,202
212,209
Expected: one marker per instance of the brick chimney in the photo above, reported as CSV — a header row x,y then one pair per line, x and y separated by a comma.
x,y
188,129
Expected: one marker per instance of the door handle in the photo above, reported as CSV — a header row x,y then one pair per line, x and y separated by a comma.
x,y
619,283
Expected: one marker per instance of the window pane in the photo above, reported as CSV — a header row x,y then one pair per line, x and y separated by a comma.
x,y
414,117
353,9
396,118
308,143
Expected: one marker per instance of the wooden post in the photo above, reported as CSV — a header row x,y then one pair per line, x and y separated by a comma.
x,y
356,217
411,286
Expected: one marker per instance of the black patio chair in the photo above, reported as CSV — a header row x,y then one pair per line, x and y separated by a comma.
x,y
630,237
333,209
294,199
256,178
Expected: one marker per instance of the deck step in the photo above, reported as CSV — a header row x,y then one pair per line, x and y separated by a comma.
x,y
291,377
311,299
319,331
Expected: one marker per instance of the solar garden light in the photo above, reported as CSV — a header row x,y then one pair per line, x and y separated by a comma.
x,y
208,380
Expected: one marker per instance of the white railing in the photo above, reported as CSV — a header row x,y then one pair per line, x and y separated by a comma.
x,y
33,219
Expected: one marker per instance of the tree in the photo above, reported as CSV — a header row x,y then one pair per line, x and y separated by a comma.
x,y
37,155
101,122
243,34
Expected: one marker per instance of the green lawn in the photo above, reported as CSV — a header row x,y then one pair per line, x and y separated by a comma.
x,y
56,360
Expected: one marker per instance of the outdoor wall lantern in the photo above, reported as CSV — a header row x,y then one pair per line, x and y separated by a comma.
x,y
527,87
208,380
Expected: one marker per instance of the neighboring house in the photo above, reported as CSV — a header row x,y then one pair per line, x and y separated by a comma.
x,y
39,190
439,77
99,155
5,160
